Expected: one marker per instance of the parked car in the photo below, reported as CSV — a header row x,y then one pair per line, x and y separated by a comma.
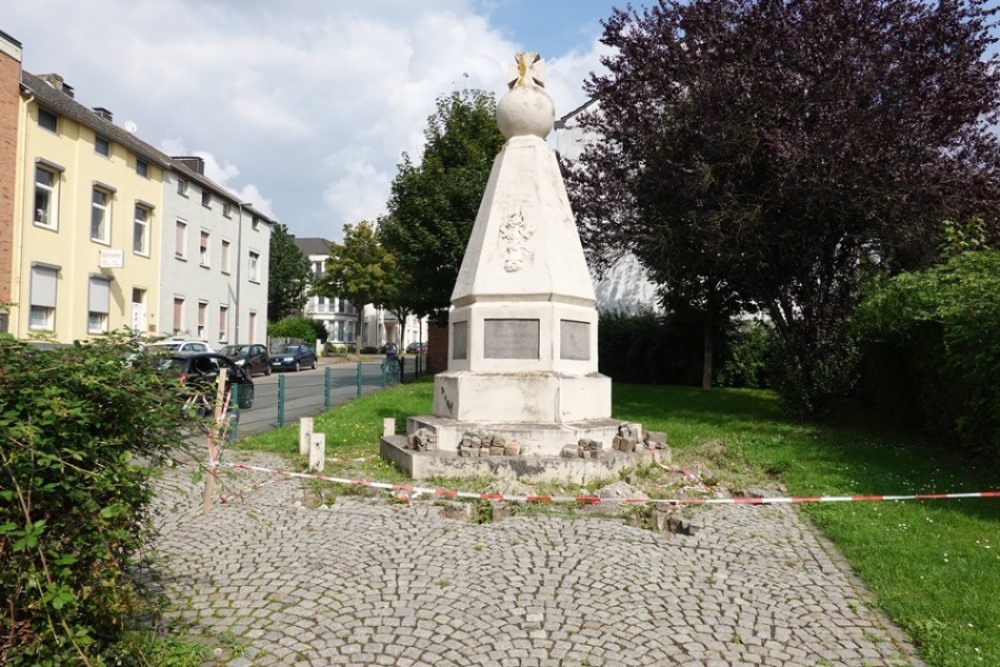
x,y
200,371
294,357
172,345
252,357
416,347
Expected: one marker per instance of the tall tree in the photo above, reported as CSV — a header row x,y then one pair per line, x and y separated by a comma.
x,y
433,205
774,146
359,270
288,276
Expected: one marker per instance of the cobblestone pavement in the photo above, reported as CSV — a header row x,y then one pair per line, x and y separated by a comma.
x,y
371,582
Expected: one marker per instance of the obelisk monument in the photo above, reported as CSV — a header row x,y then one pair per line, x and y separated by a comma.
x,y
522,351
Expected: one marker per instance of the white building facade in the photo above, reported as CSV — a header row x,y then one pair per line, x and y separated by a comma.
x,y
215,256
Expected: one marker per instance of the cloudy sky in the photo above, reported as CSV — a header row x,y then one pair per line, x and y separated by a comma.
x,y
302,107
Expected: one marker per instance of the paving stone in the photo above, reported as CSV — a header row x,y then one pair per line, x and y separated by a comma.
x,y
363,583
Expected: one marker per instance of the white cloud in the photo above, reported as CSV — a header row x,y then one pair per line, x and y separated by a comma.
x,y
315,101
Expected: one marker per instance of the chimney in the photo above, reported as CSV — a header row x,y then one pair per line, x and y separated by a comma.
x,y
195,164
58,83
104,113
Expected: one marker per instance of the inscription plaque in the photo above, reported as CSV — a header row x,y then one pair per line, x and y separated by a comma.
x,y
460,340
574,340
510,339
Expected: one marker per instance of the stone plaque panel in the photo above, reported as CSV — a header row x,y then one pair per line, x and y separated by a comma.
x,y
574,340
460,340
510,339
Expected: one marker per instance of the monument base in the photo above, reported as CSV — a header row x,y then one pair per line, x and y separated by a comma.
x,y
533,398
425,465
542,439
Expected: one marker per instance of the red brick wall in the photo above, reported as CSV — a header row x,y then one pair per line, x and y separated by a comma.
x,y
10,92
437,348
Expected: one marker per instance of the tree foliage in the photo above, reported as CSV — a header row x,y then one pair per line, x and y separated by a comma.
x,y
288,276
773,147
79,428
933,351
433,205
359,270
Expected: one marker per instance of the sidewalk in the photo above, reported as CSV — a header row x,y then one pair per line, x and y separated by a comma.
x,y
373,582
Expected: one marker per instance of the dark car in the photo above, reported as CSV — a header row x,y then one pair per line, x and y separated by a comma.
x,y
200,371
416,347
252,357
293,357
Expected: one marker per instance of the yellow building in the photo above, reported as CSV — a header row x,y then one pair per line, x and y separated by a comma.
x,y
86,256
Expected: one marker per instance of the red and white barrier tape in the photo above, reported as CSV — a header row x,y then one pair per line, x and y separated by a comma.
x,y
596,500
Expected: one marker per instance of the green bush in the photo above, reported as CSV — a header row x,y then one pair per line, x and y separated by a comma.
x,y
654,349
75,422
302,328
750,358
932,351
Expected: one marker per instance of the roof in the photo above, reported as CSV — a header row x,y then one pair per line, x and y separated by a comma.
x,y
64,105
313,246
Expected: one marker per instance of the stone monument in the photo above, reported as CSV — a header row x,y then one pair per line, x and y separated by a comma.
x,y
522,348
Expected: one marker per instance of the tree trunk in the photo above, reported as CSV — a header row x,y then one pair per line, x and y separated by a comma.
x,y
706,367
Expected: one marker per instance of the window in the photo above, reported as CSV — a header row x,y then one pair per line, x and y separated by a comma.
x,y
182,187
255,224
99,302
203,255
46,201
202,310
254,267
100,216
102,146
206,198
141,168
178,315
225,255
47,119
138,309
227,209
223,323
43,298
253,324
140,230
180,240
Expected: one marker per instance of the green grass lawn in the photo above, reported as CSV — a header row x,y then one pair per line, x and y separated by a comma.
x,y
934,566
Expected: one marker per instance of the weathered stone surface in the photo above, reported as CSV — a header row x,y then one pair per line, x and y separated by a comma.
x,y
511,449
570,452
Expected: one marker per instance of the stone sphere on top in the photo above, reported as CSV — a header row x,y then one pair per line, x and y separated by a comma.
x,y
526,109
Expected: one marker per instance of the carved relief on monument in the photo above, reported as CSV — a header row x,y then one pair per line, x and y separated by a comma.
x,y
515,232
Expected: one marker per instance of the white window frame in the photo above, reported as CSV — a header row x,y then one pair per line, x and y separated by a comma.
x,y
205,248
42,297
98,305
47,217
253,266
178,314
206,198
105,212
202,318
141,229
223,321
141,168
227,255
53,115
180,240
182,187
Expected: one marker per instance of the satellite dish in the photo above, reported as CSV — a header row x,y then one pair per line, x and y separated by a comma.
x,y
130,126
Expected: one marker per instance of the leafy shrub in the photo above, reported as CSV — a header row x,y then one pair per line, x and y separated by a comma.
x,y
750,357
653,349
302,328
74,422
932,350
